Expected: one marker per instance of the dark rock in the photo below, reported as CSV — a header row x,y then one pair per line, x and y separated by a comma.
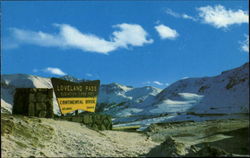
x,y
106,122
203,88
103,127
33,102
41,106
33,90
40,97
87,119
94,127
50,94
42,113
77,119
31,111
98,120
208,151
32,97
169,148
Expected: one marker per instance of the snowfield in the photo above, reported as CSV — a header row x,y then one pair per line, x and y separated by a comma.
x,y
226,93
222,96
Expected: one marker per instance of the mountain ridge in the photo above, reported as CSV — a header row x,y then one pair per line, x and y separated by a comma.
x,y
226,93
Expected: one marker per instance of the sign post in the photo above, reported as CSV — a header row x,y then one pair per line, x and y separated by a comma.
x,y
73,96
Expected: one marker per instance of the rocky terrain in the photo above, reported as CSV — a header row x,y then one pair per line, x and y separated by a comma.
x,y
40,137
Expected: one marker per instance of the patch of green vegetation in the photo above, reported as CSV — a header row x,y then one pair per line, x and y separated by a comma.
x,y
21,144
26,128
6,126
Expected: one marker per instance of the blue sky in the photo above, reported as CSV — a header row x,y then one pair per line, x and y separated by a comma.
x,y
135,43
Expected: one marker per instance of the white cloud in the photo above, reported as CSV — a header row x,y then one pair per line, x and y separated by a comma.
x,y
178,15
70,37
73,38
54,71
245,44
185,16
185,77
166,32
130,34
172,13
89,75
155,83
220,17
158,83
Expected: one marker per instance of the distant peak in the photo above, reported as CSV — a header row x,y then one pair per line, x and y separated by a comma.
x,y
71,78
115,84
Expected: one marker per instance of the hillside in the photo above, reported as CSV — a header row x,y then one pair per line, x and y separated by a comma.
x,y
225,93
118,96
220,97
40,137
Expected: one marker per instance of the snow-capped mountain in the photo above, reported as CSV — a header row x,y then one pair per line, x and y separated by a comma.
x,y
227,93
220,97
114,94
72,79
24,80
109,94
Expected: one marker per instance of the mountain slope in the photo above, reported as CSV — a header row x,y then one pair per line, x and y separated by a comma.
x,y
115,95
220,97
225,93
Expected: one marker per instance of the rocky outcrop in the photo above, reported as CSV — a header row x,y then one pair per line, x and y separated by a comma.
x,y
33,102
169,148
93,120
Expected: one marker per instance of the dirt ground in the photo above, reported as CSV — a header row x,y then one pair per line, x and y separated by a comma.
x,y
40,137
26,137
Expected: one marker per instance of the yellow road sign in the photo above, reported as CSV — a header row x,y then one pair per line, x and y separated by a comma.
x,y
76,96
